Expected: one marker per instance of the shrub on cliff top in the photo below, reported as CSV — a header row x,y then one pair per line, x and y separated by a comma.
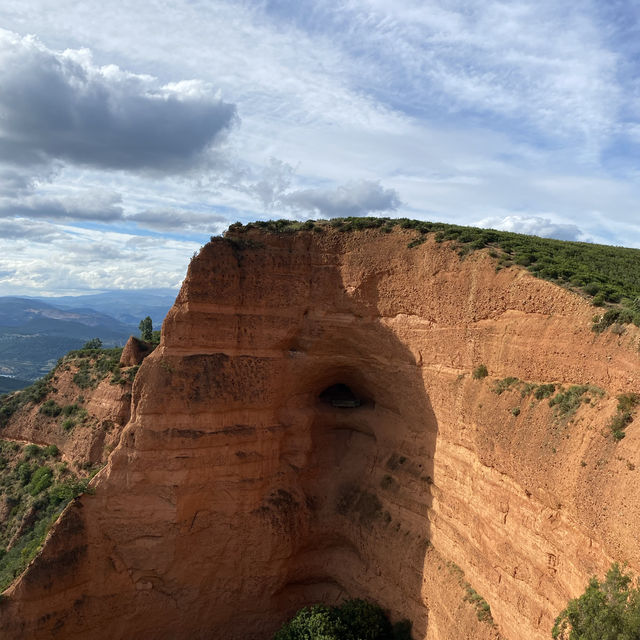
x,y
608,610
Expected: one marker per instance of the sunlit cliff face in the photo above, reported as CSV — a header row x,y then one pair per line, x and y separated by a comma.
x,y
309,430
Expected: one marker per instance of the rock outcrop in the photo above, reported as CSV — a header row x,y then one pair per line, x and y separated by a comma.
x,y
134,352
309,430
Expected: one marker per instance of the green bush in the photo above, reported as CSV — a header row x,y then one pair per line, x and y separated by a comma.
x,y
70,409
50,408
40,480
480,372
51,451
83,378
364,621
608,610
318,621
544,391
500,386
354,620
614,317
23,472
627,403
483,610
566,403
32,451
130,373
66,491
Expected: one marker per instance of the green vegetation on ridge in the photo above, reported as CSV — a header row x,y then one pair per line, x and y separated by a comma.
x,y
33,394
605,274
92,365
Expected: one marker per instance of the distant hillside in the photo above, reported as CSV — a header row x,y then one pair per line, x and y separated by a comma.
x,y
34,334
128,306
18,312
12,384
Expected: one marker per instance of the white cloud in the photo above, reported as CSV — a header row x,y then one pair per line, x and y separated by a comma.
x,y
536,226
20,229
540,62
355,198
518,111
77,260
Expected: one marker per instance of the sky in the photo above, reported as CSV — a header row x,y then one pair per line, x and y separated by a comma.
x,y
131,132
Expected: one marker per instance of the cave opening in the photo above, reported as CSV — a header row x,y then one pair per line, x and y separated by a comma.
x,y
341,396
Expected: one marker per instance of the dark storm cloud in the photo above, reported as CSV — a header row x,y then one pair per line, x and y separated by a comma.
x,y
60,106
351,199
14,182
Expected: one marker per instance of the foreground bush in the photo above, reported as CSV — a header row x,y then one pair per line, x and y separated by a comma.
x,y
354,620
608,610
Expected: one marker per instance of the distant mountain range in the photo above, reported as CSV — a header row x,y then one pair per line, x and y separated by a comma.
x,y
35,332
128,307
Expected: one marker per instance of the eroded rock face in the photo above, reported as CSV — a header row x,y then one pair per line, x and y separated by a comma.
x,y
243,487
105,407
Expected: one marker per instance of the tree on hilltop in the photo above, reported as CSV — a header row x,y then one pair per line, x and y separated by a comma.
x,y
146,329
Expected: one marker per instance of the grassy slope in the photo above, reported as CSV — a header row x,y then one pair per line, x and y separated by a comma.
x,y
609,276
35,485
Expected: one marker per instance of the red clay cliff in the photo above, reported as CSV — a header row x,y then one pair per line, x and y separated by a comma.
x,y
243,486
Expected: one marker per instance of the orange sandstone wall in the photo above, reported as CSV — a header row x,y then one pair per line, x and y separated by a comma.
x,y
236,495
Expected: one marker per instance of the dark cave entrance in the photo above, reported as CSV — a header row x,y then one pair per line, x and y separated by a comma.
x,y
341,396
